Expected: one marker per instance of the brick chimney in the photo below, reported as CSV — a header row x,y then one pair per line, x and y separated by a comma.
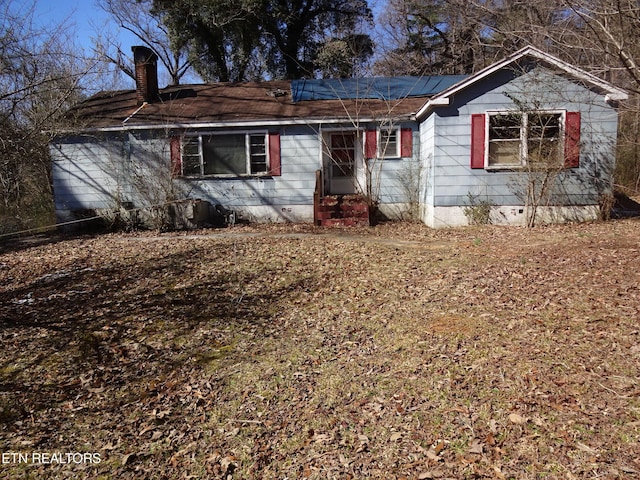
x,y
146,74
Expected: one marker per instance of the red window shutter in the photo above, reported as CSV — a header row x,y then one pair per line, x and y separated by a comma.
x,y
572,140
477,140
371,144
176,156
406,142
275,168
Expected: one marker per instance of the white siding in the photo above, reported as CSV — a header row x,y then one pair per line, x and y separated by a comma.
x,y
427,149
396,180
101,171
88,172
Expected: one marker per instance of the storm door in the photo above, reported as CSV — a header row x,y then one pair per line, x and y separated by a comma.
x,y
341,162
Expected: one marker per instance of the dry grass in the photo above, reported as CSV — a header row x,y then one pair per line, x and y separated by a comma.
x,y
289,352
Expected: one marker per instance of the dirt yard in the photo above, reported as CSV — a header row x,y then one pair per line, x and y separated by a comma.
x,y
290,352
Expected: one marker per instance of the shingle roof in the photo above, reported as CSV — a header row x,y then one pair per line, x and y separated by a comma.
x,y
229,103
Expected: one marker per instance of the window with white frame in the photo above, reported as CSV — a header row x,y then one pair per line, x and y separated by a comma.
x,y
389,145
225,154
517,139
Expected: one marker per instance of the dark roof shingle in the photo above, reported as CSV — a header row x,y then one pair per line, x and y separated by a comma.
x,y
229,103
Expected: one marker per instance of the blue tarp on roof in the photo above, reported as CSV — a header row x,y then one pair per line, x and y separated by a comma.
x,y
382,88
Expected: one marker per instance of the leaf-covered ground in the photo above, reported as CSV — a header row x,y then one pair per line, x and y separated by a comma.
x,y
289,352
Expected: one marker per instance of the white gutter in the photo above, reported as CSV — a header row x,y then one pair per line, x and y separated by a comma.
x,y
250,124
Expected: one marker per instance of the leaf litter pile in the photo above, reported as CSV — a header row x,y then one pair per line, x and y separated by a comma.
x,y
290,352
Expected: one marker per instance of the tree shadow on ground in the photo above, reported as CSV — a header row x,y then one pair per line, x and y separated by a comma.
x,y
102,337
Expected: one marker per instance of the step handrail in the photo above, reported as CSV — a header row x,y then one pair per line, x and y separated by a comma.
x,y
317,196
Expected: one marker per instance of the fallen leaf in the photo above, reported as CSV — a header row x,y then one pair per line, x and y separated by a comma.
x,y
493,426
431,474
476,446
627,469
517,419
432,455
227,464
586,448
320,438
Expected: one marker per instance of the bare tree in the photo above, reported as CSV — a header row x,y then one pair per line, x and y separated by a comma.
x,y
599,36
136,17
434,37
40,78
610,30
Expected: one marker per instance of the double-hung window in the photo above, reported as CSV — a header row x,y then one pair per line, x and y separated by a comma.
x,y
519,139
232,154
389,142
537,139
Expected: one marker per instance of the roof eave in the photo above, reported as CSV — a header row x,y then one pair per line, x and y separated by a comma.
x,y
616,97
432,103
233,124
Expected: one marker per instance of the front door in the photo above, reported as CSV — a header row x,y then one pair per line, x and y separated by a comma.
x,y
341,162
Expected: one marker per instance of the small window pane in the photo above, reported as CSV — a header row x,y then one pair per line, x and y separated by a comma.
x,y
505,127
543,138
258,152
191,156
341,140
389,143
224,155
504,153
505,139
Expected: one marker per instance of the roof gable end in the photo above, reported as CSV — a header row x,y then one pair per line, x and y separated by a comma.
x,y
612,93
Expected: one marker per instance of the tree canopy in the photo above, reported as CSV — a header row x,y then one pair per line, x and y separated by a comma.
x,y
233,40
